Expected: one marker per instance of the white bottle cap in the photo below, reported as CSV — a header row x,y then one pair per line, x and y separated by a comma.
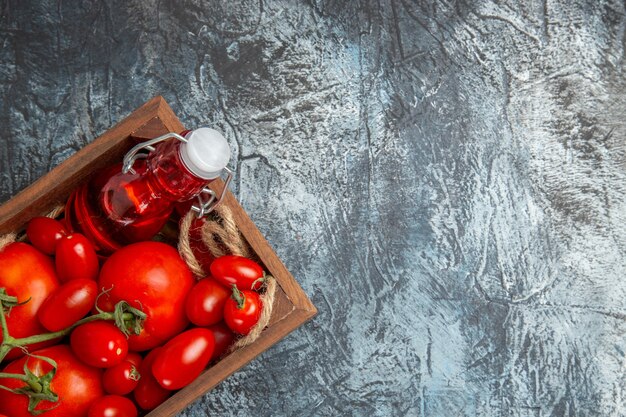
x,y
206,152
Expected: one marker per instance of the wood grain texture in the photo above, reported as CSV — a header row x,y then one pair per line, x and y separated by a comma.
x,y
446,179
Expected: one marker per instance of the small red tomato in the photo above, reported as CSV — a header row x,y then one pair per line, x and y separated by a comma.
x,y
44,233
134,358
149,394
238,270
183,358
224,337
112,406
68,304
99,344
205,302
121,379
76,258
242,311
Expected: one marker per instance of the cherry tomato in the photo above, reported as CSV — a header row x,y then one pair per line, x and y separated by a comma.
x,y
68,304
183,358
29,275
134,358
152,277
45,233
76,258
224,337
242,311
205,302
149,394
76,384
233,269
99,344
112,406
121,379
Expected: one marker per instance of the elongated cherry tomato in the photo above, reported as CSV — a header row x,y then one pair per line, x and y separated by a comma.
x,y
76,258
44,233
68,304
242,311
205,302
243,272
112,406
183,358
99,344
224,337
121,379
149,394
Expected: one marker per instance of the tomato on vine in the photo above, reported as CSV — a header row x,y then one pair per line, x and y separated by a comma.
x,y
77,385
152,277
27,274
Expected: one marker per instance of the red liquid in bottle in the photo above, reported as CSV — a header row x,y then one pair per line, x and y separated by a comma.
x,y
116,208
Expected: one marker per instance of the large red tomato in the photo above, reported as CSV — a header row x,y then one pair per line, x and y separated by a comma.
x,y
76,384
150,276
26,273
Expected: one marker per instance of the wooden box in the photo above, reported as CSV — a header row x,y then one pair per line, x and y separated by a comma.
x,y
291,307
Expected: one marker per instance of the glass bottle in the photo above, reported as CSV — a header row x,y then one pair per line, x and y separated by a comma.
x,y
131,202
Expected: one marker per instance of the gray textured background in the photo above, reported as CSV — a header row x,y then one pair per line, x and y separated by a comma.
x,y
445,179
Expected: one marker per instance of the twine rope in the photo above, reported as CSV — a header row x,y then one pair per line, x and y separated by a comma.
x,y
221,236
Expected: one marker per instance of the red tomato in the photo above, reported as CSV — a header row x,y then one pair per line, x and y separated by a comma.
x,y
224,337
76,258
99,344
76,384
238,270
242,311
183,358
152,277
205,302
134,358
149,394
26,273
68,304
121,379
45,233
112,406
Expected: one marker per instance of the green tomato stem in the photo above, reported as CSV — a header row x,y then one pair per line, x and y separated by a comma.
x,y
120,316
239,297
21,377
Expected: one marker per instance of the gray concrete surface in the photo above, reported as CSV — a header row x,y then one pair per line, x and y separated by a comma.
x,y
446,180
